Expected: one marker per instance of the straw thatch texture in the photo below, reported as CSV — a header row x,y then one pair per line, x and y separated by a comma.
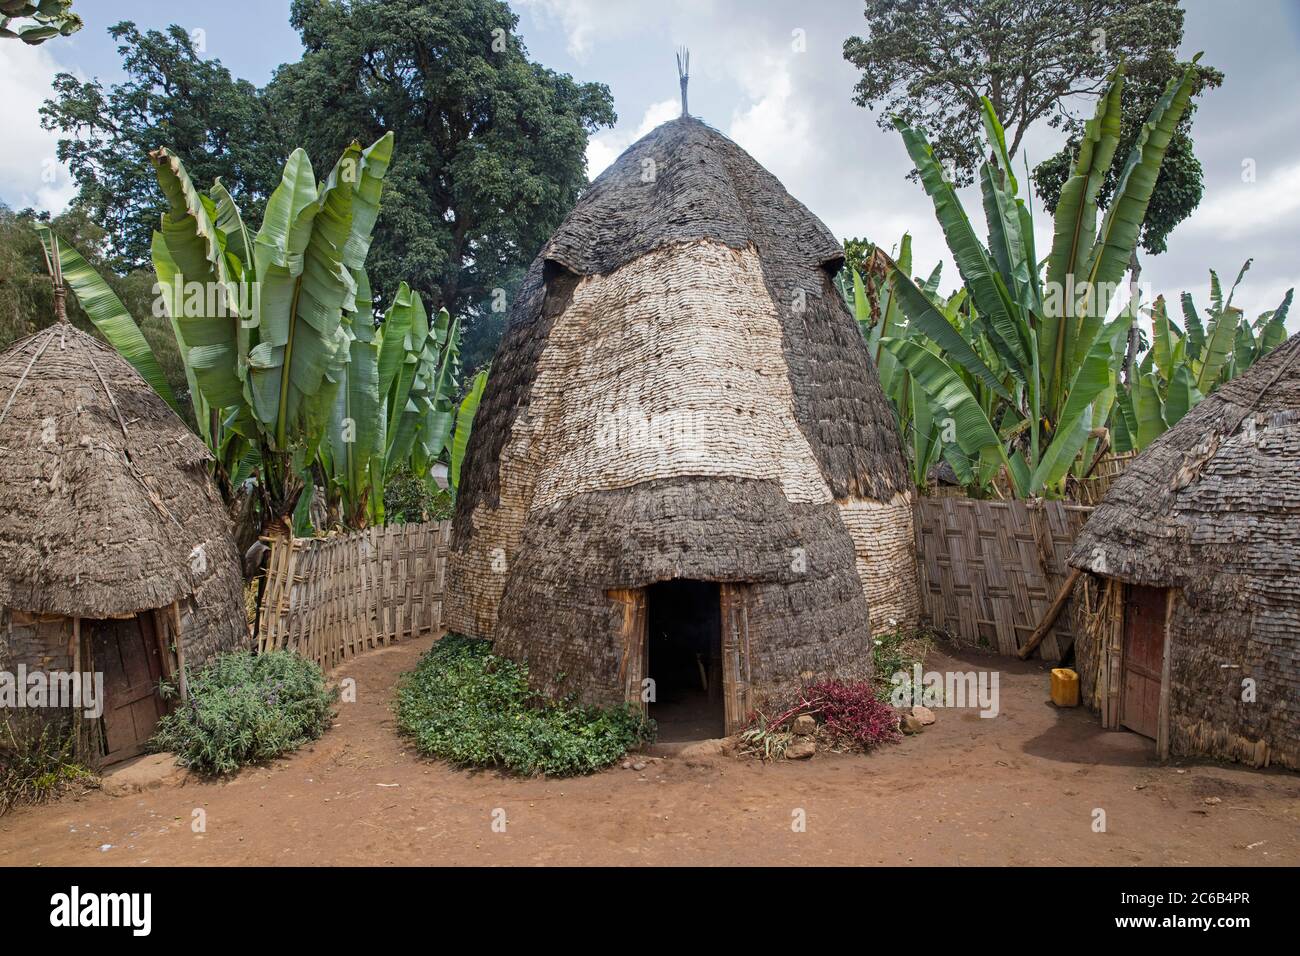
x,y
681,392
989,570
1212,508
331,598
106,508
809,611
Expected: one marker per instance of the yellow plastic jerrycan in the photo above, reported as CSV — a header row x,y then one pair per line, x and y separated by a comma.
x,y
1065,687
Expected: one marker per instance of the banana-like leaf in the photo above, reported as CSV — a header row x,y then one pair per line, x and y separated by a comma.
x,y
1273,332
1091,379
1150,410
1241,274
1182,395
204,305
971,429
1162,338
923,317
1195,328
977,270
1218,347
1073,231
465,424
1118,236
304,287
231,223
107,312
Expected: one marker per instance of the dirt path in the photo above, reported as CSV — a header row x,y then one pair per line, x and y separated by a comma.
x,y
1017,789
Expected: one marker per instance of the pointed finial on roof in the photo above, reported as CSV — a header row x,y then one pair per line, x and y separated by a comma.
x,y
684,74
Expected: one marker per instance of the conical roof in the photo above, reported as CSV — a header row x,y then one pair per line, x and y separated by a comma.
x,y
1216,495
683,182
106,507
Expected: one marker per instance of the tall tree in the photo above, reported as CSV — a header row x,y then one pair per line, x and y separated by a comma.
x,y
492,145
171,97
929,62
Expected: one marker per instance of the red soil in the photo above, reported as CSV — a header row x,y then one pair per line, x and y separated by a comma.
x,y
1017,789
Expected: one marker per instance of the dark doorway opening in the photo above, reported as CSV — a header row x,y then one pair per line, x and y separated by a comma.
x,y
684,625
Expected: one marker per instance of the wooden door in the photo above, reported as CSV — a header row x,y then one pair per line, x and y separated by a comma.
x,y
736,674
128,655
632,644
1144,654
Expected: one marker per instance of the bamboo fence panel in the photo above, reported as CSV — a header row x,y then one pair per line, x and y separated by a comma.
x,y
989,570
331,598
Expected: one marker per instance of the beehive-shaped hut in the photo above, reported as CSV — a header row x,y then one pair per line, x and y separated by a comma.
x,y
683,438
116,554
1193,607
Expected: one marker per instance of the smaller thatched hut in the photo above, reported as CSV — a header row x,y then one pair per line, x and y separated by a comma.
x,y
115,550
1192,606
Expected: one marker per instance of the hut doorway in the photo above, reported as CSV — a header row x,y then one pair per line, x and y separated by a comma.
x,y
1144,654
127,652
684,659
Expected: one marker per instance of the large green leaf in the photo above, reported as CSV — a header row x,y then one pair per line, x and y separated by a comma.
x,y
977,270
1091,379
924,317
1182,396
1218,347
1120,228
1073,232
970,427
464,425
1149,408
107,313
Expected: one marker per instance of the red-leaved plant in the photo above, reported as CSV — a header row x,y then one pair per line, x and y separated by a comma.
x,y
850,712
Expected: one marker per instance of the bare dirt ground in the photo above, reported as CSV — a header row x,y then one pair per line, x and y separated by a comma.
x,y
1017,789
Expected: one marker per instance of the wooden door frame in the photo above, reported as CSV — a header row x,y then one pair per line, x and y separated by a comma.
x,y
735,599
1162,712
159,620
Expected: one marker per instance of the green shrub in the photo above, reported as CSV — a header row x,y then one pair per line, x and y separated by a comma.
x,y
38,759
245,708
466,705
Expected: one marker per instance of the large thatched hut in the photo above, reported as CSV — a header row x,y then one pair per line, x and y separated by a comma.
x,y
115,551
683,468
1193,561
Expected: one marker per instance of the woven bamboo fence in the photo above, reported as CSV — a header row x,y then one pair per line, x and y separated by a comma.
x,y
331,598
990,569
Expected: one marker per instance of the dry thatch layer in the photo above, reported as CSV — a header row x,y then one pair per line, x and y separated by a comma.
x,y
106,508
681,393
1212,508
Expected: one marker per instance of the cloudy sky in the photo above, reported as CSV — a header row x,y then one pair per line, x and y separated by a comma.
x,y
789,103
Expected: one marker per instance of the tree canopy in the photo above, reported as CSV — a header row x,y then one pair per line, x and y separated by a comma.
x,y
929,62
490,146
171,97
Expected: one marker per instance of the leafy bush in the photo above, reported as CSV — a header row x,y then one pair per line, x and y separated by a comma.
x,y
466,705
852,714
244,708
410,499
38,759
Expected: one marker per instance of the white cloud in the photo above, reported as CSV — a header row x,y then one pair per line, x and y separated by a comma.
x,y
1250,208
30,174
776,128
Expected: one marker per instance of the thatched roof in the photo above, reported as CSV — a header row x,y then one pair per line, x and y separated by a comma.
x,y
683,182
104,492
1218,494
